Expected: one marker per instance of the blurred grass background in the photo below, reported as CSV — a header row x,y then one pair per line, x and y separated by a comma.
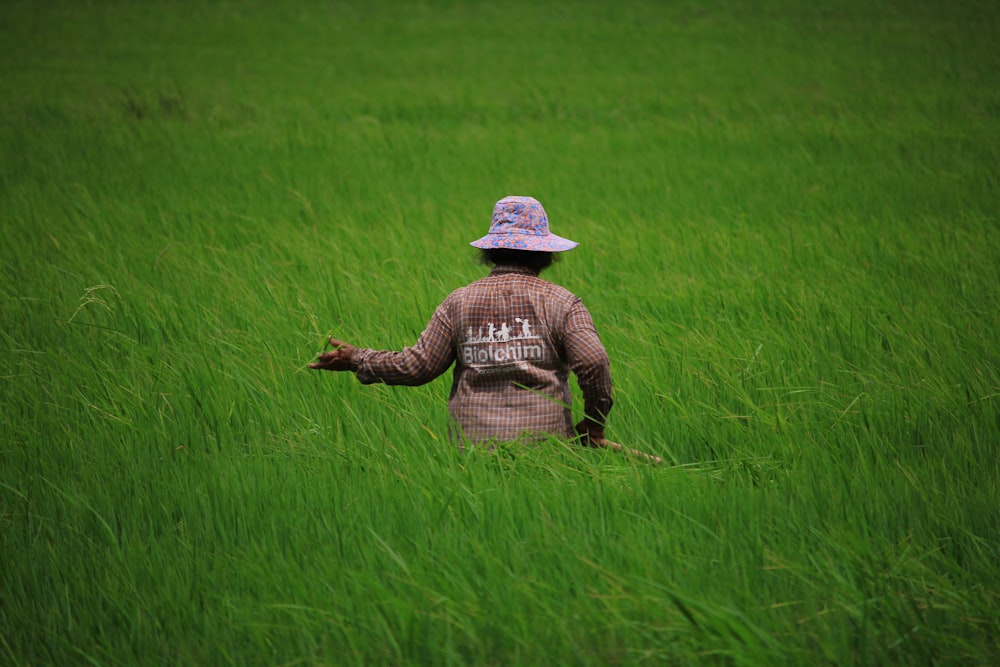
x,y
789,242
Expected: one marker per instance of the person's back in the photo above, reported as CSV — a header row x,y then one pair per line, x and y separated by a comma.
x,y
515,384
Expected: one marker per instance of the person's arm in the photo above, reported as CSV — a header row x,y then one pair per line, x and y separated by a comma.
x,y
428,358
587,358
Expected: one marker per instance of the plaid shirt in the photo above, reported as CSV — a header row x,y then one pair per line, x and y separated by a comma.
x,y
514,338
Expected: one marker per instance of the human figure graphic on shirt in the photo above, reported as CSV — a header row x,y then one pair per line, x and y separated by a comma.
x,y
490,398
525,327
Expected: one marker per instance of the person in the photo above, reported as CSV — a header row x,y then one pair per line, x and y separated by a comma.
x,y
513,382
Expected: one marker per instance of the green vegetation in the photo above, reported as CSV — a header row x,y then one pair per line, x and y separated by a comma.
x,y
789,241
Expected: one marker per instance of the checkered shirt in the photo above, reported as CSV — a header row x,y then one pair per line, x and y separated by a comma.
x,y
514,339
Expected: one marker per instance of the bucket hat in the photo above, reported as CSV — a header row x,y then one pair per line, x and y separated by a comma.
x,y
520,223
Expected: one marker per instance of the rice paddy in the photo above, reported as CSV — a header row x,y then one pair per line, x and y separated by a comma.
x,y
789,243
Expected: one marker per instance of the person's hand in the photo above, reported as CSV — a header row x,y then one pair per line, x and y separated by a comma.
x,y
591,434
337,359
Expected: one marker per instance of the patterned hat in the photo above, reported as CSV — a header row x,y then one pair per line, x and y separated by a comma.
x,y
520,223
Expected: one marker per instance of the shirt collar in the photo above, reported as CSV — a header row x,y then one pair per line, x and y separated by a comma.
x,y
503,269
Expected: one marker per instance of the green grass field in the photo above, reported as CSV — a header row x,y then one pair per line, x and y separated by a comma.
x,y
788,216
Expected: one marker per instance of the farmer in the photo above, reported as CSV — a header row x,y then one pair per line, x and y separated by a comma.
x,y
514,382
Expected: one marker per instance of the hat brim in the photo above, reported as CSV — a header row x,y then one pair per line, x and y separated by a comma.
x,y
530,242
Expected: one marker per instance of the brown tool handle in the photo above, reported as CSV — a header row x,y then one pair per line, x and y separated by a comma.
x,y
655,460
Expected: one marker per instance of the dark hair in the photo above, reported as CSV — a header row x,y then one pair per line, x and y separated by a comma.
x,y
529,259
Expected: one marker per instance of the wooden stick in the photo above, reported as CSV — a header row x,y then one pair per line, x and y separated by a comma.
x,y
655,460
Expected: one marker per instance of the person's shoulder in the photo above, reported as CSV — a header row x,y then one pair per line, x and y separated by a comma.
x,y
555,290
458,293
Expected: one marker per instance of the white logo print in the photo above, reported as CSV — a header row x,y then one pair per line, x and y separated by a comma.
x,y
503,346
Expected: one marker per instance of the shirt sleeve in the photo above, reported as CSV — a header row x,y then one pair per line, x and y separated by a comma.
x,y
428,358
587,358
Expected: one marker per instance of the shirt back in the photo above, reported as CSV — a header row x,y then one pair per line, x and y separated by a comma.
x,y
511,375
